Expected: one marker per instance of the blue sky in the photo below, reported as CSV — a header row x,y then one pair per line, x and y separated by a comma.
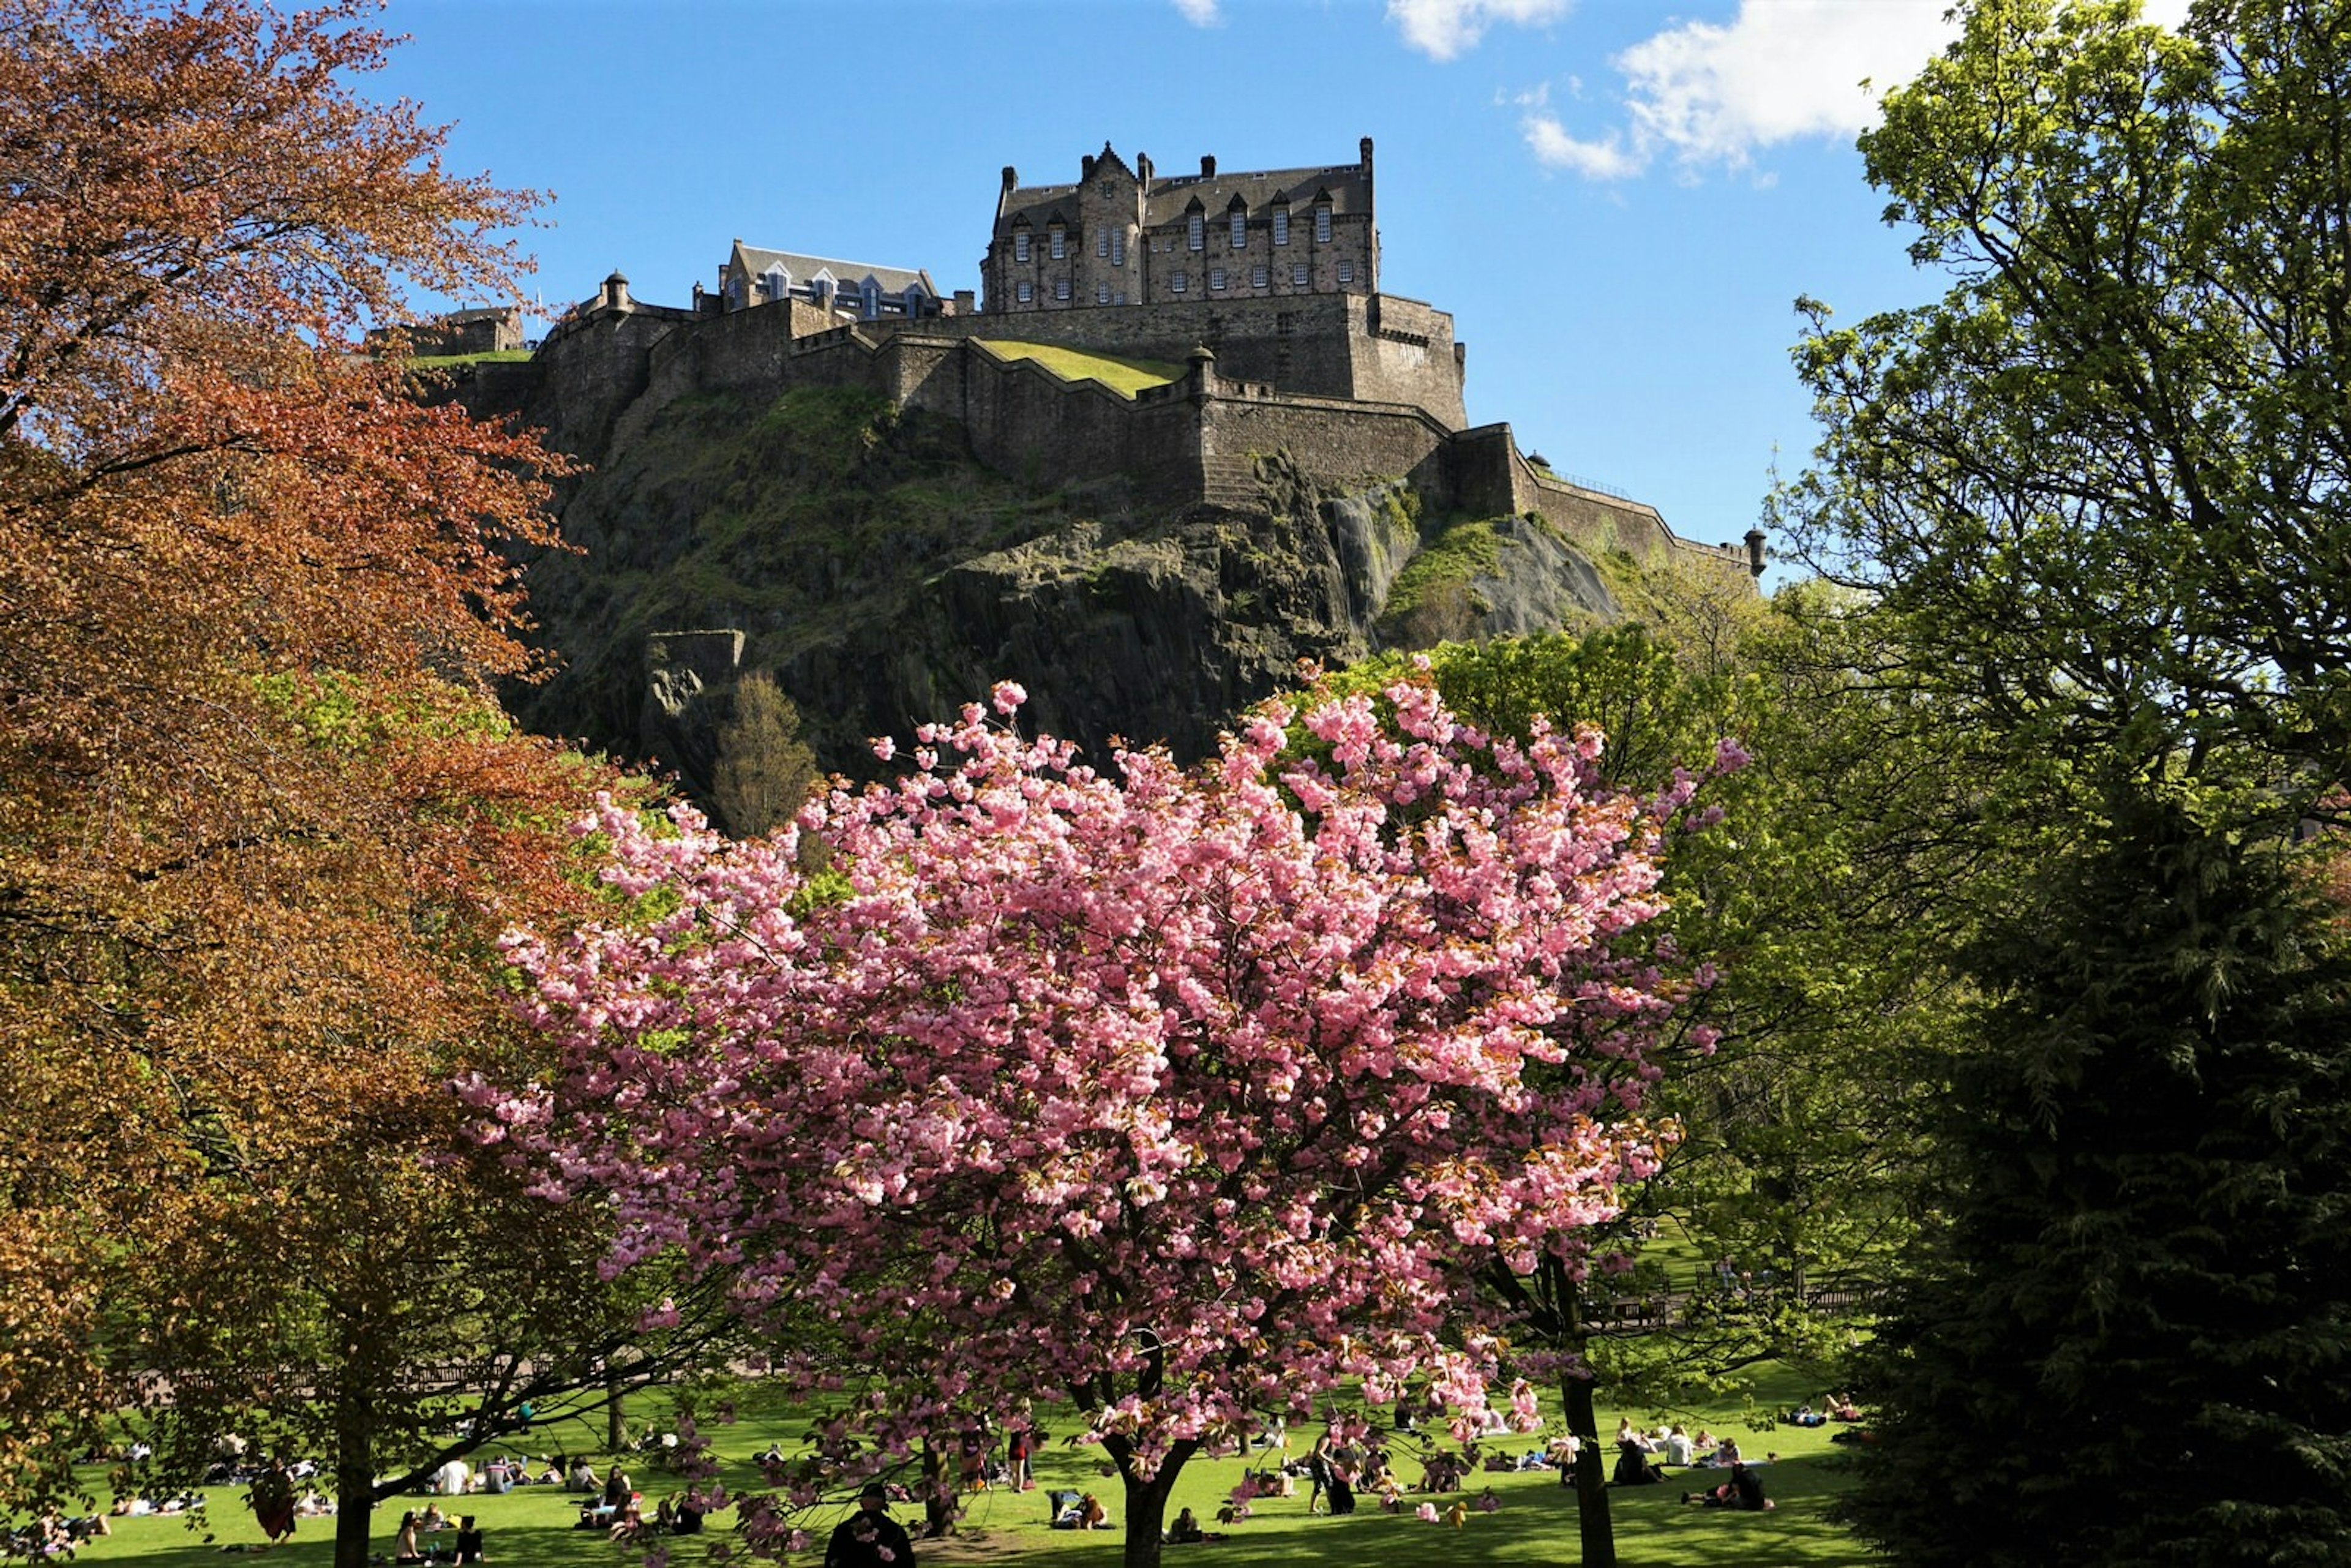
x,y
1617,200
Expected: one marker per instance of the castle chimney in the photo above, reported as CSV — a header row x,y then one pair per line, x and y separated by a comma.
x,y
1208,165
1143,169
1365,146
1010,178
1086,167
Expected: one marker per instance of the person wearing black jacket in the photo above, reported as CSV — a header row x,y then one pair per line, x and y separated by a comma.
x,y
858,1541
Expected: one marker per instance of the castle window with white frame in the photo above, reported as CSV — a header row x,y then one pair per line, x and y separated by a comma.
x,y
1297,276
1021,245
1346,272
1102,242
1102,293
1054,235
1196,232
1118,247
1281,225
1216,277
1061,289
1026,292
1176,283
1241,229
1257,277
1322,223
1119,297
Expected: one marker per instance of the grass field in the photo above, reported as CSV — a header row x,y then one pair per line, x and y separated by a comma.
x,y
532,1528
1123,376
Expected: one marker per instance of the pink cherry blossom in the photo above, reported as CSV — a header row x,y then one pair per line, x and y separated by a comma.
x,y
1171,1095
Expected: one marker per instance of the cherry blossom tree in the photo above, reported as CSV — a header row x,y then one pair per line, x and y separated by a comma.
x,y
1180,1096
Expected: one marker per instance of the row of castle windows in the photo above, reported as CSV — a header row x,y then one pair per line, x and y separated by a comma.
x,y
1197,227
1177,283
1112,243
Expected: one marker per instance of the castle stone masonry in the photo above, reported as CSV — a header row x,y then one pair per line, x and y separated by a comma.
x,y
1125,235
1259,291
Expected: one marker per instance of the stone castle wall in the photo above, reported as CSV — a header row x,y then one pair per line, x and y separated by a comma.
x,y
599,375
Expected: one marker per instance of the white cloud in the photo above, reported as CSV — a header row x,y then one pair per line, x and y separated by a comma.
x,y
1555,148
1713,94
1444,28
1199,13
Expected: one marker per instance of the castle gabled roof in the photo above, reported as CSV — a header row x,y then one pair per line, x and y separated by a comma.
x,y
1041,205
756,261
1346,186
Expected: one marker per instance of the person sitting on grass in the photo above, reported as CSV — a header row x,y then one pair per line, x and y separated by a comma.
x,y
1743,1490
404,1548
469,1543
1186,1528
1634,1466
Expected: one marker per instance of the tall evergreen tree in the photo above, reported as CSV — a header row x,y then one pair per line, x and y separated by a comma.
x,y
2129,1342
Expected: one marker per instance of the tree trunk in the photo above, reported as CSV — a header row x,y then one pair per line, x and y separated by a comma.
x,y
616,1416
354,1480
1598,1531
940,1503
1146,1501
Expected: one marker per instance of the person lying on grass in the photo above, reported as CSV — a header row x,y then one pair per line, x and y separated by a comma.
x,y
1743,1490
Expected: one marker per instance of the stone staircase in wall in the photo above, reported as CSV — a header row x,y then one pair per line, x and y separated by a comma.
x,y
1230,482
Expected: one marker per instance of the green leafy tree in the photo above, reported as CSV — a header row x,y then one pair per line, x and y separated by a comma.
x,y
2096,493
765,770
1822,900
2127,1343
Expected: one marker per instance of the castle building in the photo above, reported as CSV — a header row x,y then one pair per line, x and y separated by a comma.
x,y
753,275
1250,302
1123,234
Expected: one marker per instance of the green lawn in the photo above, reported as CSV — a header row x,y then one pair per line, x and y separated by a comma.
x,y
1123,376
1536,1523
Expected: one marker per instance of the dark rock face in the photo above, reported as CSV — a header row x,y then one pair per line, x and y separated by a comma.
x,y
885,579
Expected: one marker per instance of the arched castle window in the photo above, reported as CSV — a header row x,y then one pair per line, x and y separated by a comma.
x,y
1322,223
1196,229
1281,223
1021,245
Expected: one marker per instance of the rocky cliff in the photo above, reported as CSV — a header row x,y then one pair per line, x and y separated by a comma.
x,y
883,577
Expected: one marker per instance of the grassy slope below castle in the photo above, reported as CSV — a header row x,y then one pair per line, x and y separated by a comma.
x,y
1122,375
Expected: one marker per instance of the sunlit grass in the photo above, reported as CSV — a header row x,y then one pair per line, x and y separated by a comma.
x,y
1122,375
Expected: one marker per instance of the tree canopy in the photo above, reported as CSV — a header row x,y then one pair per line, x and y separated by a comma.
x,y
1181,1096
2095,495
259,821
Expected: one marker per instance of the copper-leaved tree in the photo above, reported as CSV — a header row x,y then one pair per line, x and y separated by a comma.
x,y
1173,1096
258,822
